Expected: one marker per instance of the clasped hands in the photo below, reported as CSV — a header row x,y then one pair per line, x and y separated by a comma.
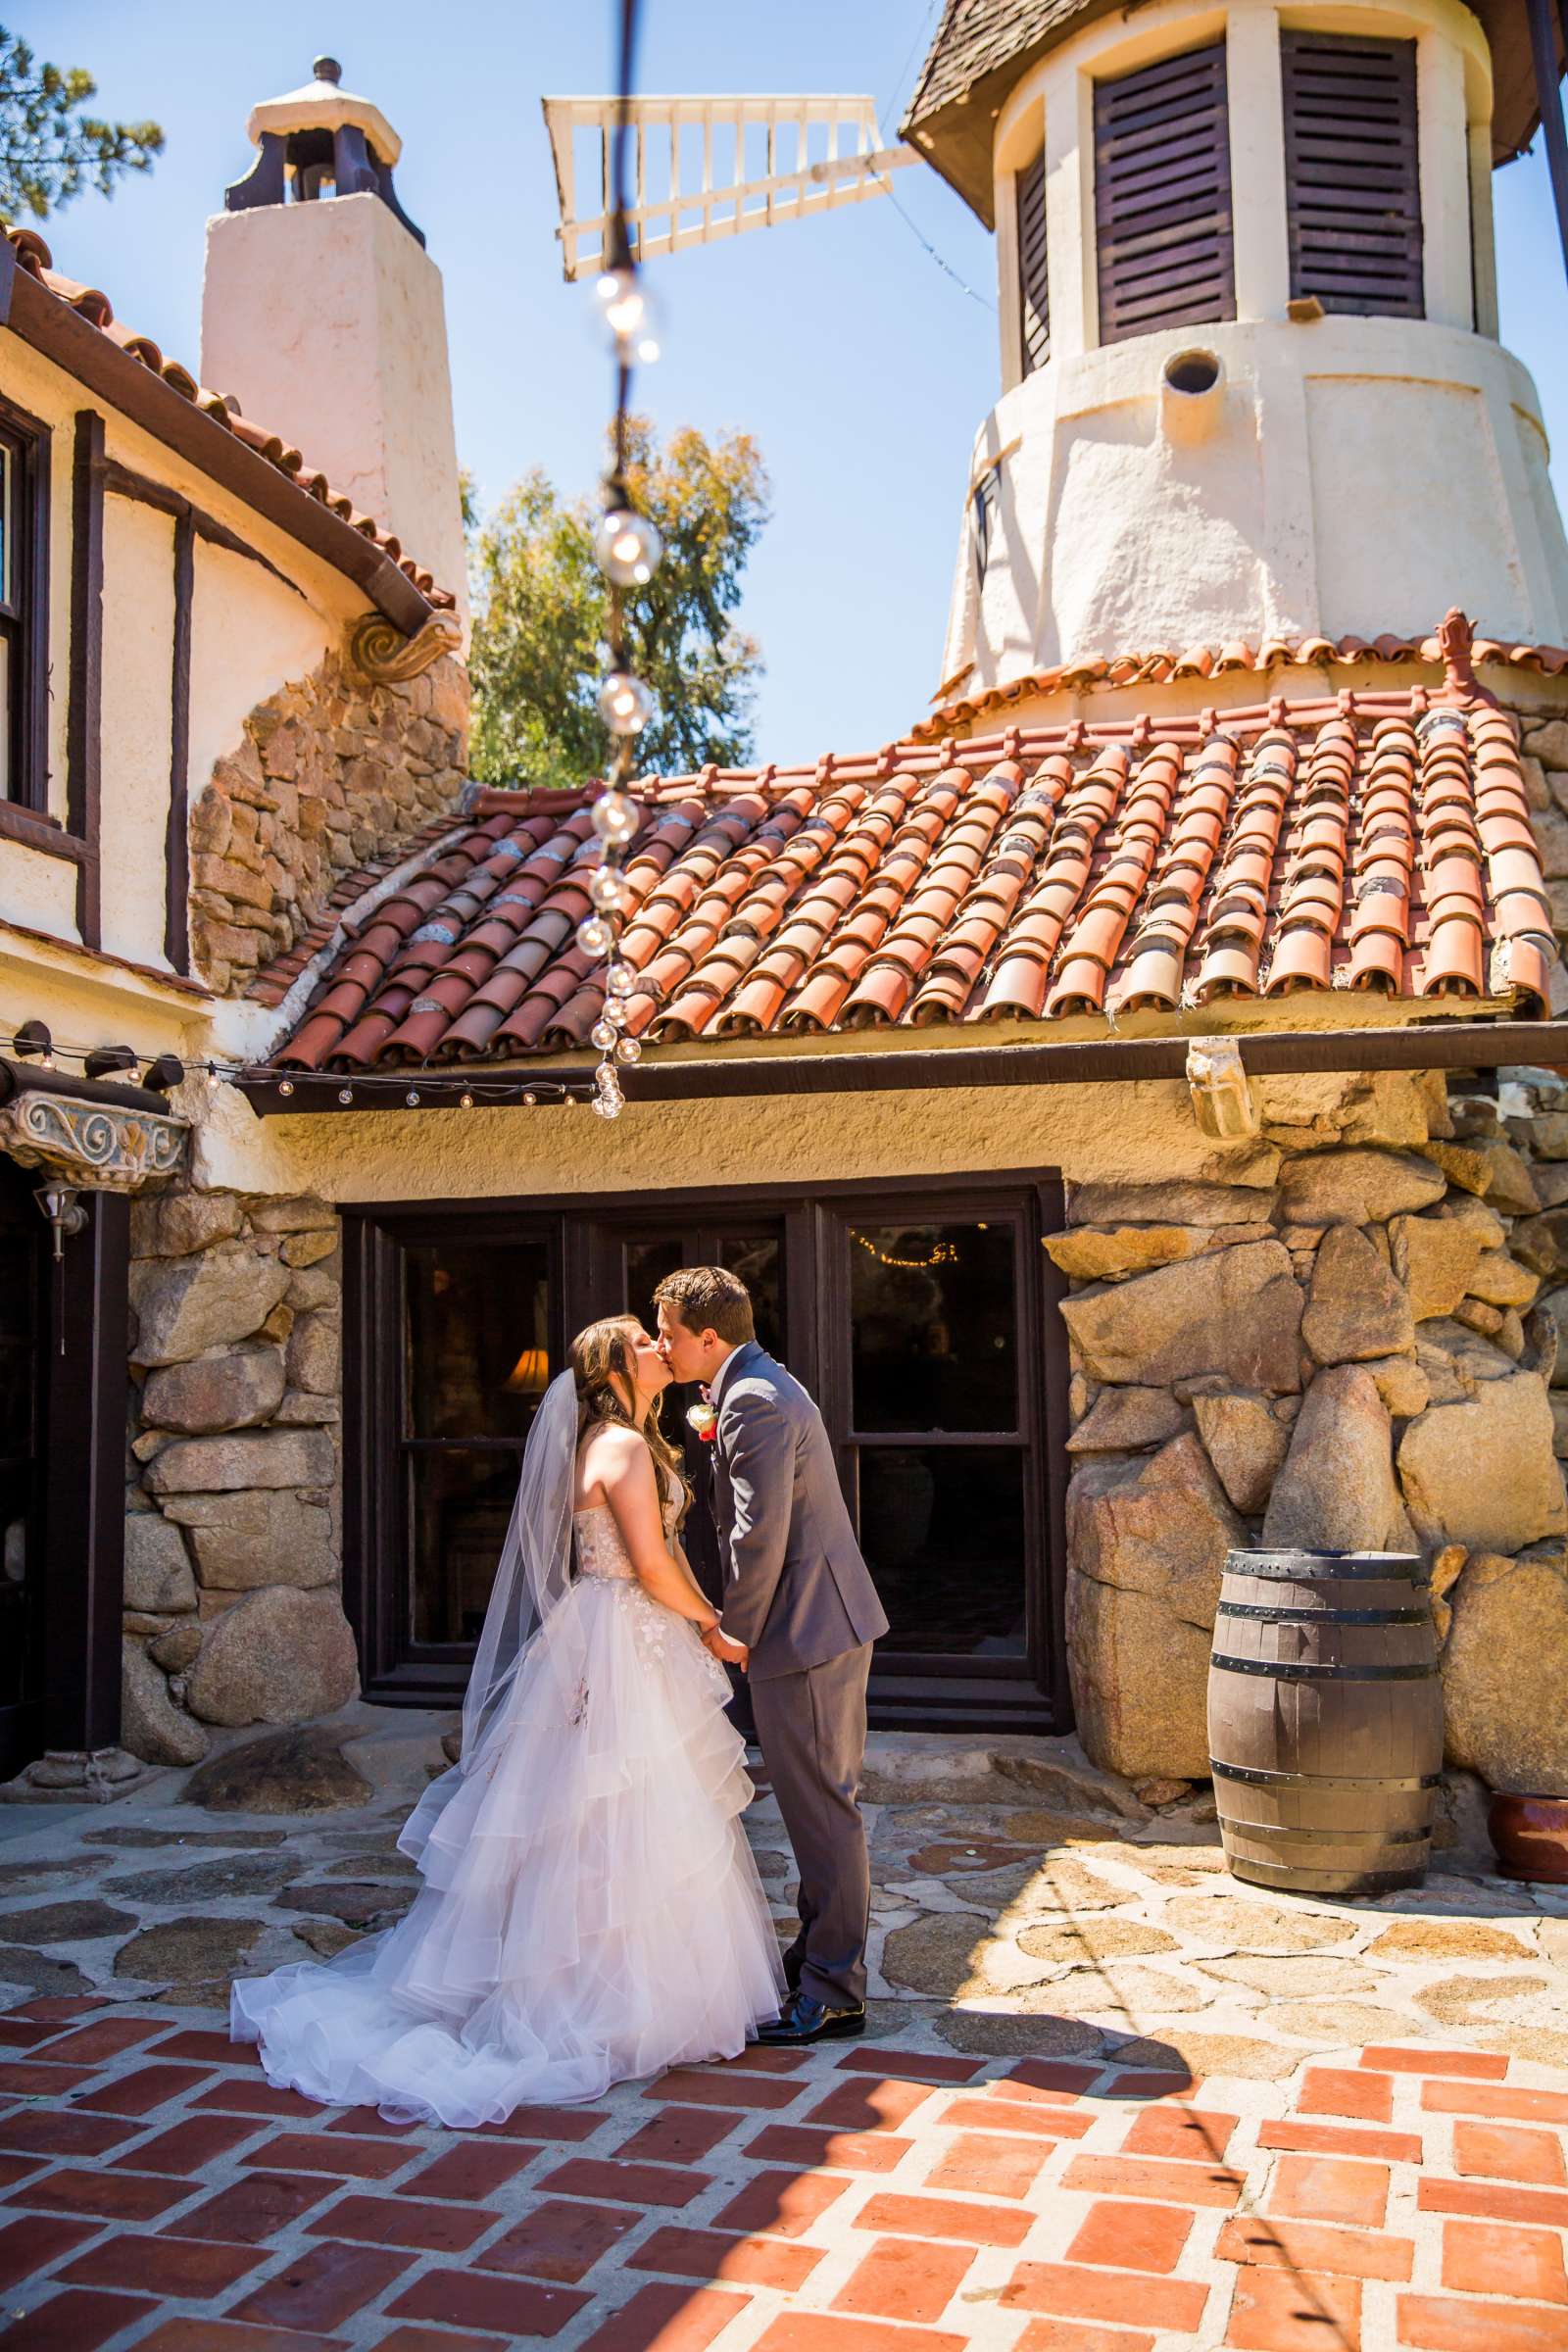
x,y
732,1653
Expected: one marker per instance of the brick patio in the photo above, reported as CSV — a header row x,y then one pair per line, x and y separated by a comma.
x,y
159,2194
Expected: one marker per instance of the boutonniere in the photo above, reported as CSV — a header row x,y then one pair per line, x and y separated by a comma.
x,y
703,1421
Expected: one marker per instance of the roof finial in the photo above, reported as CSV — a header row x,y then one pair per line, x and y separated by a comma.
x,y
326,68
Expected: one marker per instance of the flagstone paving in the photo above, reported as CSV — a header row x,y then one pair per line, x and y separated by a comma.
x,y
1111,2102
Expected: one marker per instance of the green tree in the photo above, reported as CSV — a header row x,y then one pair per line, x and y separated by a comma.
x,y
538,656
49,149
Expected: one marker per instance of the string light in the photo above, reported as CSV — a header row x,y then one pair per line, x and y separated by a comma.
x,y
628,548
941,1255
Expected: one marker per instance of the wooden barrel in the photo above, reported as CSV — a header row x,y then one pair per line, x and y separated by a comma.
x,y
1325,1719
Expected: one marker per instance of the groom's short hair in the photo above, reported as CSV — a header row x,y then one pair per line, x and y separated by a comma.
x,y
710,1298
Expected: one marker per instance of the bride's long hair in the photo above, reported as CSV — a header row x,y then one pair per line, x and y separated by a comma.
x,y
601,1360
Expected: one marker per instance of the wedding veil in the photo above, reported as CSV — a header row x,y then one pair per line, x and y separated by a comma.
x,y
535,1566
532,1579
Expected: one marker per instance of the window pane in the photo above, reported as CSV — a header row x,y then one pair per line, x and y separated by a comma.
x,y
7,730
934,1341
459,1507
942,1531
759,1263
477,1338
646,1264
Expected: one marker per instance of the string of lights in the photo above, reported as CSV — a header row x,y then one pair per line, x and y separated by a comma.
x,y
942,1254
456,1089
628,548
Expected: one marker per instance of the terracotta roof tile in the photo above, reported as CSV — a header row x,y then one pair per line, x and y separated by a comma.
x,y
91,304
1368,841
1091,670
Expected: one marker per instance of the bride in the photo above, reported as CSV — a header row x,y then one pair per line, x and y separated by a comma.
x,y
591,1911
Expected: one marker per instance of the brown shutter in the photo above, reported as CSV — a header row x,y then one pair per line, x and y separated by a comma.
x,y
1034,289
1352,173
1162,196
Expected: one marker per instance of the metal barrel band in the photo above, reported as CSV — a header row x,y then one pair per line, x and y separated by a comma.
x,y
1280,1671
1259,1776
1263,1614
1392,1571
1279,1833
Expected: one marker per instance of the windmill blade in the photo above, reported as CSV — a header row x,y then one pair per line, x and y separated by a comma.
x,y
704,168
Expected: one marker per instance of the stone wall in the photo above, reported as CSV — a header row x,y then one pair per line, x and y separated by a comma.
x,y
330,772
1352,1348
234,1609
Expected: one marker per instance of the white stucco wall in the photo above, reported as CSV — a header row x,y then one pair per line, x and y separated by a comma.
x,y
1352,475
327,322
137,678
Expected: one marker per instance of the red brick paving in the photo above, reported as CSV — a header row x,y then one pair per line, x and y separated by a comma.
x,y
1330,2188
1132,2237
1294,2311
1478,2257
870,2201
1509,2152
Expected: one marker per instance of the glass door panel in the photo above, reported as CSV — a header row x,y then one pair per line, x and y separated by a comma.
x,y
479,1352
935,1442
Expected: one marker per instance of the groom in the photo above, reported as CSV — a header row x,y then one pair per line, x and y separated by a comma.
x,y
799,1616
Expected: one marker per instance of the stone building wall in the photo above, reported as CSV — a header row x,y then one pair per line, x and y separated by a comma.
x,y
1354,1347
330,772
232,1604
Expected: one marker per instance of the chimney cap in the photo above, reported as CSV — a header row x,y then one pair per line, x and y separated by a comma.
x,y
321,104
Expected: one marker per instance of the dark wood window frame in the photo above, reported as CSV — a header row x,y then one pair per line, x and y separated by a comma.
x,y
24,618
374,1237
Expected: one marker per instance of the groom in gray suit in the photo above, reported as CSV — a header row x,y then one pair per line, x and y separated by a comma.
x,y
799,1616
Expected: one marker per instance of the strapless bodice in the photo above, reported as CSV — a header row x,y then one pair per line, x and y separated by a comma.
x,y
601,1547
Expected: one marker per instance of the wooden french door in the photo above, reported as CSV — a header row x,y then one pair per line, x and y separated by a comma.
x,y
22,1340
920,1317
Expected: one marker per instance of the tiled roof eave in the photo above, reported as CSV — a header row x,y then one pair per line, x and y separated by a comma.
x,y
63,334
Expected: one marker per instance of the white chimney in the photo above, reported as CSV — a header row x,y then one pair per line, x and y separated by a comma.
x,y
322,315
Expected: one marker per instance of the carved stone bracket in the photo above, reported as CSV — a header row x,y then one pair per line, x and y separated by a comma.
x,y
1221,1096
380,651
96,1146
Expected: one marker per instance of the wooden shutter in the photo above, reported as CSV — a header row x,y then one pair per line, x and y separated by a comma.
x,y
1352,173
1034,286
983,499
1162,196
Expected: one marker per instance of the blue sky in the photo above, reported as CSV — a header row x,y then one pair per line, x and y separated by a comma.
x,y
859,363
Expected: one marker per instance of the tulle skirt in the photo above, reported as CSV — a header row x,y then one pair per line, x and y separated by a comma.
x,y
590,1913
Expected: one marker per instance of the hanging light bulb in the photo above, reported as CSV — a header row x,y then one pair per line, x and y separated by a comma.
x,y
605,888
630,314
628,1050
613,1013
603,1036
285,1086
613,818
625,703
628,548
465,1101
595,936
621,979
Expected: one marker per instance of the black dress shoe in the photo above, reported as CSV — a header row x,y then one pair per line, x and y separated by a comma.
x,y
807,2020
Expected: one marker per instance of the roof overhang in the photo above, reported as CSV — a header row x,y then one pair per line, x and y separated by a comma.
x,y
56,331
956,135
1436,1043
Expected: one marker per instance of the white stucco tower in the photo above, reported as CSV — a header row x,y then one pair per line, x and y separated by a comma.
x,y
1251,380
322,313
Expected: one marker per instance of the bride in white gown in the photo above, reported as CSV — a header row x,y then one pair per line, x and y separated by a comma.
x,y
591,1912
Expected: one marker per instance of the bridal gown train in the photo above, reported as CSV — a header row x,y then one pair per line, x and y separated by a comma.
x,y
591,1912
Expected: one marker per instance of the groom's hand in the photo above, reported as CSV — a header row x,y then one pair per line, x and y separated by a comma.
x,y
733,1654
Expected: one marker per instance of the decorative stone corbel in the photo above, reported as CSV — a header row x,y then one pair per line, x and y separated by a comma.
x,y
1222,1099
97,1146
384,657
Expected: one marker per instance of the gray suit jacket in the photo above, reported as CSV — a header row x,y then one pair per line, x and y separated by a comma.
x,y
798,1591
